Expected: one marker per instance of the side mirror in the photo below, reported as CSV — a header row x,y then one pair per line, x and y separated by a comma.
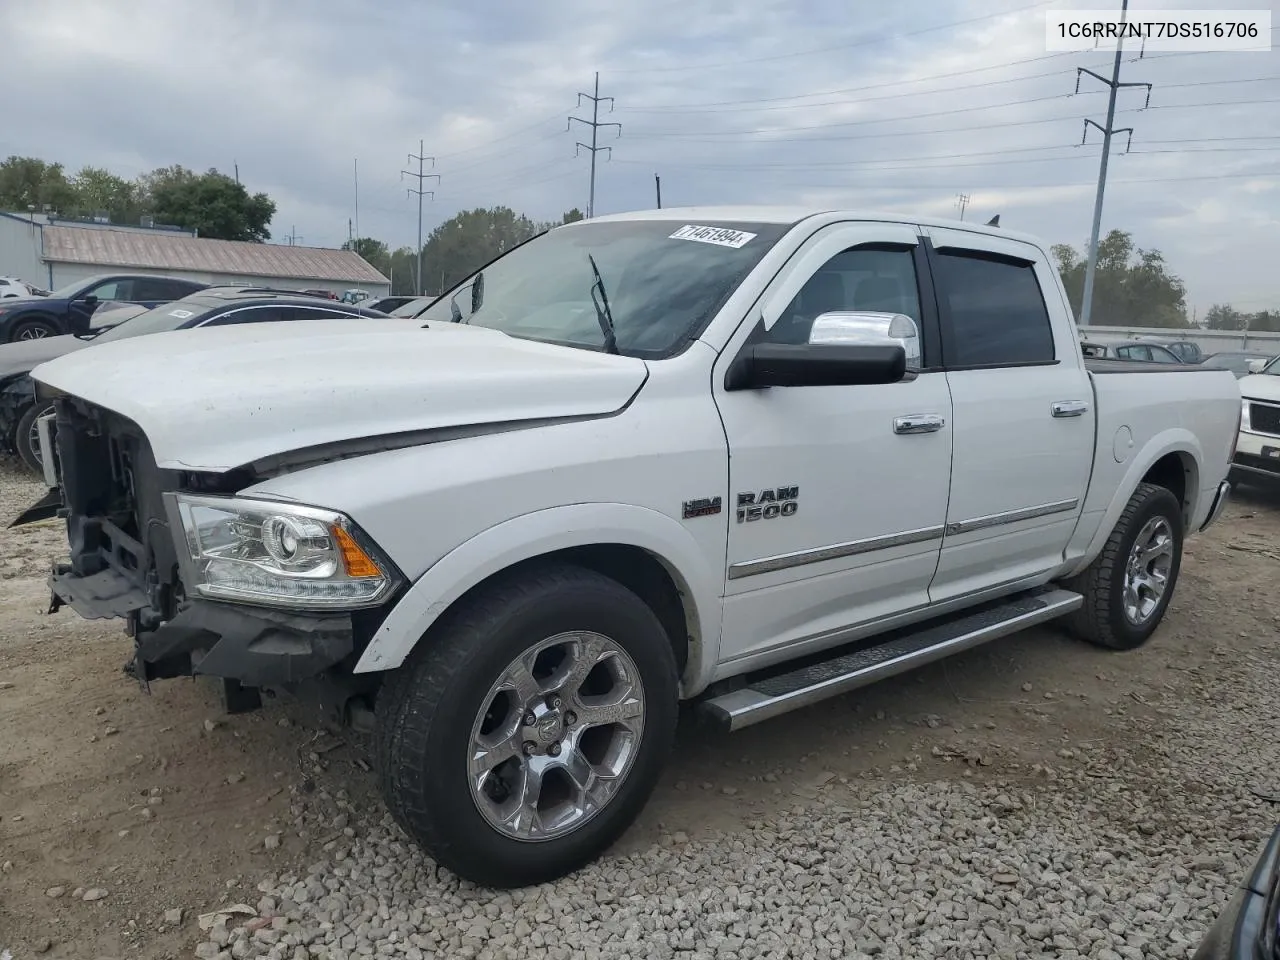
x,y
90,300
844,349
869,329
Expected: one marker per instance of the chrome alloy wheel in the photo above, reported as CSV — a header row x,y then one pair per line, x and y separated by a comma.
x,y
556,736
33,438
1146,574
33,333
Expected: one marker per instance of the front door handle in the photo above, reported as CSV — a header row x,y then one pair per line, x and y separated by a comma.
x,y
918,423
1069,408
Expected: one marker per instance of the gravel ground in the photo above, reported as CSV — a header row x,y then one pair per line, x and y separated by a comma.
x,y
1036,798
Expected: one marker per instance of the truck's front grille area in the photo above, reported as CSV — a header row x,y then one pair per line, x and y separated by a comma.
x,y
1264,418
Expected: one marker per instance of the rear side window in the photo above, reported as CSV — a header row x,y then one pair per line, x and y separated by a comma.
x,y
994,310
268,313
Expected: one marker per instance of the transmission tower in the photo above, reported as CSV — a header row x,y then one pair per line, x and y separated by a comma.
x,y
595,125
420,193
1114,85
962,201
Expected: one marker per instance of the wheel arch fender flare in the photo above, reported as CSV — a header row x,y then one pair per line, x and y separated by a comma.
x,y
544,532
1177,440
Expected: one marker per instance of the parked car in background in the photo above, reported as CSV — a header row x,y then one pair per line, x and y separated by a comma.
x,y
386,304
1187,351
317,292
1248,928
1128,350
354,295
67,311
1257,456
214,306
1239,362
414,306
13,287
749,457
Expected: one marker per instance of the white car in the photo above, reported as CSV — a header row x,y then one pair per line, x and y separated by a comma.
x,y
745,457
13,287
1257,455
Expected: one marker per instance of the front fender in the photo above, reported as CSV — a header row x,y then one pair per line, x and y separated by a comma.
x,y
546,531
1174,440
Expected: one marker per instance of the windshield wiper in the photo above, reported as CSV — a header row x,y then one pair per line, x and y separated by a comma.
x,y
603,314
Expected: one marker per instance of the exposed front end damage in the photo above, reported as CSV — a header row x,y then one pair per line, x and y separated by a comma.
x,y
124,540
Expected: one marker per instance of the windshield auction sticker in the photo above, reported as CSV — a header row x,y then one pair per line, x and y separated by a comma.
x,y
720,236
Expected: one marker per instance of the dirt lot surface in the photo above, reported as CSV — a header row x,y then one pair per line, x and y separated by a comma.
x,y
1036,797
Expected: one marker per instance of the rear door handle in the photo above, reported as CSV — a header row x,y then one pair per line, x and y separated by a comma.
x,y
918,423
1069,408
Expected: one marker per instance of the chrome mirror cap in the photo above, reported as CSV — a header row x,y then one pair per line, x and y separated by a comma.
x,y
869,329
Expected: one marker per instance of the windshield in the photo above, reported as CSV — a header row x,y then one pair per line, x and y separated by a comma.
x,y
71,289
663,281
162,319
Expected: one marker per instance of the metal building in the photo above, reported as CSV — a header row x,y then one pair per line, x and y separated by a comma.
x,y
53,253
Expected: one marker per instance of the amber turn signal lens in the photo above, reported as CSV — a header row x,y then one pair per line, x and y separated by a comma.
x,y
357,562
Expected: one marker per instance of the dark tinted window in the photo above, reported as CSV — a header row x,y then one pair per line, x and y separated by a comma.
x,y
995,310
267,313
879,281
1141,352
322,313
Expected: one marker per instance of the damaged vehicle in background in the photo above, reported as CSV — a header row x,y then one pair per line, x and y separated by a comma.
x,y
213,306
68,310
746,457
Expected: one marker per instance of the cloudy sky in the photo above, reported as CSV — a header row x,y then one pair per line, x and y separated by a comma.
x,y
900,106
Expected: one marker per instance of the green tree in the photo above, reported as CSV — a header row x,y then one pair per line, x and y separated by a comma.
x,y
1132,287
101,191
572,216
211,203
1222,316
465,243
28,182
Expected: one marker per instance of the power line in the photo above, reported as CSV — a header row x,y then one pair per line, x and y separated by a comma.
x,y
868,41
1113,87
698,138
595,125
420,176
921,93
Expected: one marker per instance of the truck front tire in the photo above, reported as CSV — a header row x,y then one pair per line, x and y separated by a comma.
x,y
529,727
1128,586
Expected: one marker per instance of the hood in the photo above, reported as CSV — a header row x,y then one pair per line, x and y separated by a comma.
x,y
25,355
221,397
1260,386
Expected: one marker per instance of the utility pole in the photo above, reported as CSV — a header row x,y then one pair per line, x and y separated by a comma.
x,y
293,237
351,240
355,173
595,125
237,166
962,201
657,186
1091,267
419,176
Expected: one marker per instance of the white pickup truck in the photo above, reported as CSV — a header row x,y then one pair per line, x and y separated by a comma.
x,y
748,457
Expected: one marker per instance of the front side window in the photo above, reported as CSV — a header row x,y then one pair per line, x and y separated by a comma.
x,y
661,280
860,279
995,311
1134,353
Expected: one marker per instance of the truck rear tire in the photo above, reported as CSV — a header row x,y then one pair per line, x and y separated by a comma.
x,y
1128,586
527,730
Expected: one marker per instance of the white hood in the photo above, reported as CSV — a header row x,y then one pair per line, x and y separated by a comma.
x,y
1260,386
216,398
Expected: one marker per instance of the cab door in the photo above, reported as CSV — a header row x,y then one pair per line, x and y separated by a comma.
x,y
1023,414
838,494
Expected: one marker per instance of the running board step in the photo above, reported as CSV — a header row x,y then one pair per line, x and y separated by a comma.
x,y
768,697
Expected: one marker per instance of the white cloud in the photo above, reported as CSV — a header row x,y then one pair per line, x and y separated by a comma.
x,y
861,105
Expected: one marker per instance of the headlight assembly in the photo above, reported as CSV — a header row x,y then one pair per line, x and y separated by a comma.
x,y
279,554
1244,414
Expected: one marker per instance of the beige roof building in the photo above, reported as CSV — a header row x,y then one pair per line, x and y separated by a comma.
x,y
60,253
